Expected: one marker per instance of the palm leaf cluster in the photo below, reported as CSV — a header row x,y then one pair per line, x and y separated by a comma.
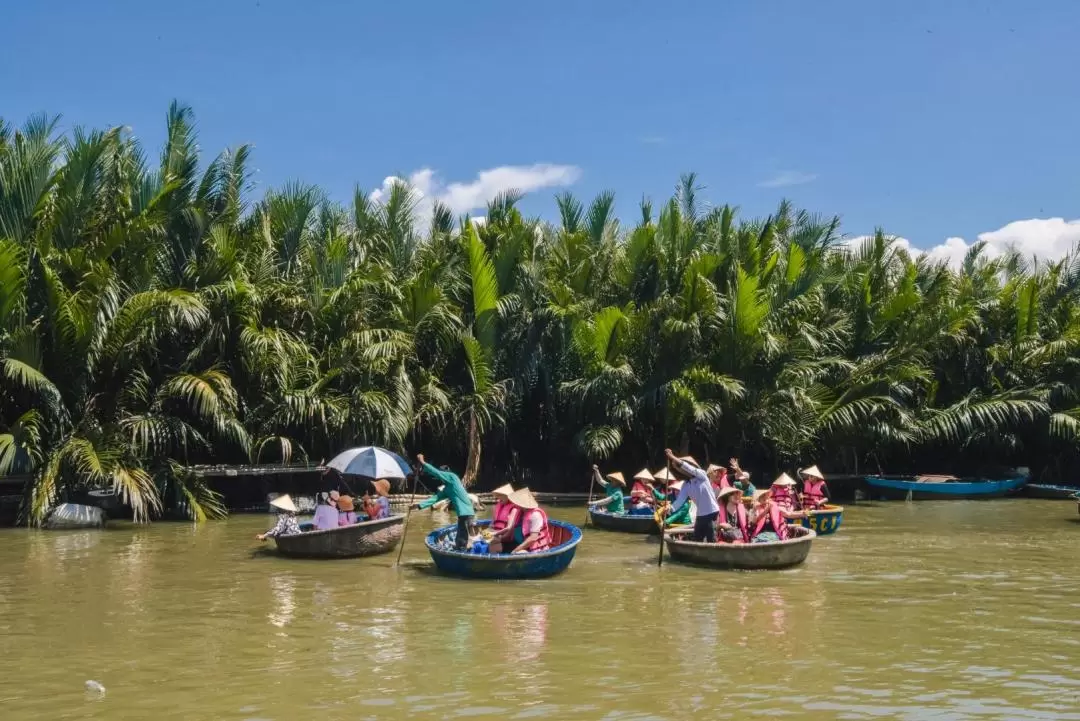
x,y
154,315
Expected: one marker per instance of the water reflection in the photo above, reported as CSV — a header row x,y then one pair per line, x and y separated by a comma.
x,y
283,591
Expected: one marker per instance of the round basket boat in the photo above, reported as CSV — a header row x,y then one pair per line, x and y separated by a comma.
x,y
566,538
368,538
824,521
744,556
622,522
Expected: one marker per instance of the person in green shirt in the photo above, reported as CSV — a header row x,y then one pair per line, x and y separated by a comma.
x,y
613,486
685,515
741,479
454,491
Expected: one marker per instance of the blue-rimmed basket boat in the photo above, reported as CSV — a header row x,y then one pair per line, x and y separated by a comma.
x,y
1040,490
824,521
623,522
368,538
741,556
564,536
900,488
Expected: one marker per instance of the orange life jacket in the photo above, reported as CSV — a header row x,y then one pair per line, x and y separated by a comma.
x,y
740,519
543,539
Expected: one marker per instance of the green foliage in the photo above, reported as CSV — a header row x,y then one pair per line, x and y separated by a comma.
x,y
157,316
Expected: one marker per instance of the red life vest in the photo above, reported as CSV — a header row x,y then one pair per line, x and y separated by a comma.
x,y
782,496
740,517
813,492
500,517
774,518
543,539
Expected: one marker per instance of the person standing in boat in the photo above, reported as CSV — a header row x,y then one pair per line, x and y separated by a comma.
x,y
379,507
453,490
286,520
613,487
814,493
699,490
532,531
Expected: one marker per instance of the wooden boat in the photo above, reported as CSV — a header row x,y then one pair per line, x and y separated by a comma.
x,y
565,536
940,488
824,521
1039,490
744,556
622,522
368,538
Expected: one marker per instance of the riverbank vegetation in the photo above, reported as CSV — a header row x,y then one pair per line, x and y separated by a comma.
x,y
155,314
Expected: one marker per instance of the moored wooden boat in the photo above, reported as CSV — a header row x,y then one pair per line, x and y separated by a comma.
x,y
622,522
1040,490
743,556
824,521
564,536
940,488
368,538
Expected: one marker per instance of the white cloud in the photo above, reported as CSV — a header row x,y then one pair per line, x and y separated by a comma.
x,y
787,178
462,197
1048,239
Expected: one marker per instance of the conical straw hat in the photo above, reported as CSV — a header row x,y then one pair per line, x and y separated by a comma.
x,y
691,461
760,494
617,477
523,498
813,472
784,480
664,474
503,490
724,493
643,475
285,503
676,485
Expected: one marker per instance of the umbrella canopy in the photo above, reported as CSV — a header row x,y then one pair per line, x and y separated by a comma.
x,y
370,462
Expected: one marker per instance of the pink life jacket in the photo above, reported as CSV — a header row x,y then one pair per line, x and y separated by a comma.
x,y
782,496
500,517
722,483
740,517
543,539
776,518
813,493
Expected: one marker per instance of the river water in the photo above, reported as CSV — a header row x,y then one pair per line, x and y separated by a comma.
x,y
954,610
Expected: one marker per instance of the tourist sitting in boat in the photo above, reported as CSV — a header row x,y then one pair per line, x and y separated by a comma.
x,y
286,520
346,511
379,507
718,476
532,531
613,486
453,490
645,482
782,493
326,513
814,492
741,479
733,517
685,515
767,524
698,489
504,518
640,504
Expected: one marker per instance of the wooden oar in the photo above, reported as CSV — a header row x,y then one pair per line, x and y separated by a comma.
x,y
408,514
592,485
660,522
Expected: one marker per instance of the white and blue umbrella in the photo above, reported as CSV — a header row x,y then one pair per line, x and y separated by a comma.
x,y
370,462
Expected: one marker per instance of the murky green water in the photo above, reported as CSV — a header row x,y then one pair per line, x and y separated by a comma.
x,y
926,611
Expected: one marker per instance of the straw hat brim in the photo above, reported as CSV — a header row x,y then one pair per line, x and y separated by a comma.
x,y
616,477
285,503
382,487
813,472
758,495
503,490
523,498
784,480
676,485
663,475
644,475
345,503
729,491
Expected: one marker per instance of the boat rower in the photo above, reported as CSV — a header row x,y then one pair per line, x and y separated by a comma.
x,y
454,491
698,488
613,486
286,520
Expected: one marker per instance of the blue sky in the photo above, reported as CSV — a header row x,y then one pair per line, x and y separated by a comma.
x,y
934,120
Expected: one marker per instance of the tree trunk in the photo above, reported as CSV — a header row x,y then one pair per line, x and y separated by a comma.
x,y
472,463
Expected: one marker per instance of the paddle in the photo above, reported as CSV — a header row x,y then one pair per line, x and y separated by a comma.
x,y
660,561
592,485
408,514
